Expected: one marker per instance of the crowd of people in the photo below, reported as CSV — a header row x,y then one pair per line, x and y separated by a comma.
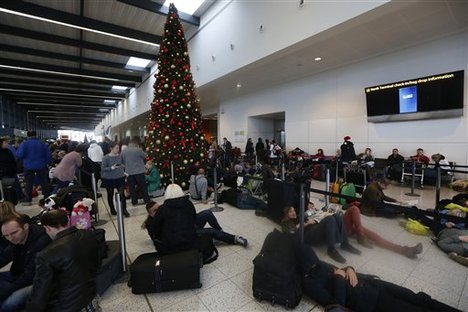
x,y
55,254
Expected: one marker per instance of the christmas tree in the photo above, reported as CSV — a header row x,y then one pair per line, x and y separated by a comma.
x,y
174,127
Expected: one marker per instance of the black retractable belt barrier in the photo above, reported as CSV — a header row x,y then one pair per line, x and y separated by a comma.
x,y
120,226
413,173
216,208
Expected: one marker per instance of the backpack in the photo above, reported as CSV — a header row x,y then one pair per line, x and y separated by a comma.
x,y
347,189
207,248
80,216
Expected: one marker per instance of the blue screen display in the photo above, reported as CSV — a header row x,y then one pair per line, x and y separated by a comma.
x,y
408,100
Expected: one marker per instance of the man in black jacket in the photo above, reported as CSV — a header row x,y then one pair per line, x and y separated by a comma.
x,y
66,269
24,241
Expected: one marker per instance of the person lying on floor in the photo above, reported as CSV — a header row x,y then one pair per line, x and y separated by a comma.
x,y
317,230
454,242
341,288
202,218
366,237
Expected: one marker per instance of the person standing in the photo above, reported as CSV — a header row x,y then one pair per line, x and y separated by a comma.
x,y
113,177
348,153
35,156
24,242
66,269
133,159
227,148
260,150
249,149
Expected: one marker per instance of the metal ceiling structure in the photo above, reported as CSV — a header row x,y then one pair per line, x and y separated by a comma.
x,y
60,59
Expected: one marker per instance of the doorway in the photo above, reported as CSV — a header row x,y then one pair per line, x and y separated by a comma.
x,y
268,126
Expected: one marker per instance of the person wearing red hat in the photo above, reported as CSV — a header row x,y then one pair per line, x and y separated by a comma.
x,y
348,153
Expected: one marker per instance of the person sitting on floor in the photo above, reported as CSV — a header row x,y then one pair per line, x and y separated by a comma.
x,y
24,242
172,226
341,289
66,269
203,217
153,179
365,237
199,188
373,197
329,229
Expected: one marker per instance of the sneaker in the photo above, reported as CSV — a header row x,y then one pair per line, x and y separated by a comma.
x,y
351,249
239,240
412,252
335,255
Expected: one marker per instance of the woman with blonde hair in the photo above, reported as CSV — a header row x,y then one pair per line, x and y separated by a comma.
x,y
174,222
8,209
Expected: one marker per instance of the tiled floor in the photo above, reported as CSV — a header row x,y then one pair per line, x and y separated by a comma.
x,y
227,282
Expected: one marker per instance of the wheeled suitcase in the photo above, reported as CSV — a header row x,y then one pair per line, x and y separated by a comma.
x,y
111,267
151,272
8,193
275,276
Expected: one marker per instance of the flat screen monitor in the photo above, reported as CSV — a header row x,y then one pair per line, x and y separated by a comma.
x,y
437,96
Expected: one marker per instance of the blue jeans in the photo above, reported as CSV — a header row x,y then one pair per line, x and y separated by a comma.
x,y
17,300
246,201
215,232
43,176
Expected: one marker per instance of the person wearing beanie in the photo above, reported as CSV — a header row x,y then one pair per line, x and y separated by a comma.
x,y
172,227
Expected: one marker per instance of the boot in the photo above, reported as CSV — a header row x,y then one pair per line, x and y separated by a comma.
x,y
113,212
126,214
459,259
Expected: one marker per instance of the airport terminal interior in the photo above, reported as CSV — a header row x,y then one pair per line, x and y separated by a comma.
x,y
227,282
307,74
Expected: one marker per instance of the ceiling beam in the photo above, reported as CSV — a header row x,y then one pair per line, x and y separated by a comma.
x,y
59,93
55,98
80,21
60,90
20,32
4,79
161,10
71,58
54,69
65,105
55,112
43,75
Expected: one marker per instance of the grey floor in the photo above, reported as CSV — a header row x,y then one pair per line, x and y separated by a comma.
x,y
227,282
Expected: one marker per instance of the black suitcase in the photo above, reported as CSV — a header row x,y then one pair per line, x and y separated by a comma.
x,y
151,273
275,276
8,193
111,267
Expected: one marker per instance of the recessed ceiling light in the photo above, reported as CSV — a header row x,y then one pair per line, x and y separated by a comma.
x,y
317,59
119,88
239,85
138,62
